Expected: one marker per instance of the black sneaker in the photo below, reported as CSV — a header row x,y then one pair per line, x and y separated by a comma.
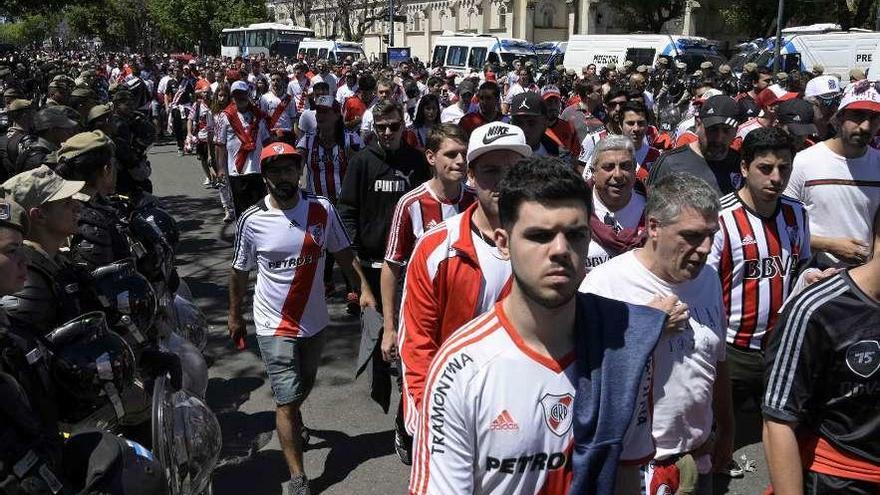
x,y
298,485
403,447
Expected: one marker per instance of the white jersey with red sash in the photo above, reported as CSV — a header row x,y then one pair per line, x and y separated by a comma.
x,y
242,134
280,112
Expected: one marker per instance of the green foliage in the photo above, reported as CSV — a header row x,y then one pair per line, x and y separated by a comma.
x,y
189,24
648,15
29,31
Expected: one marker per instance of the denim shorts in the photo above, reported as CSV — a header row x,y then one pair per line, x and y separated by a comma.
x,y
292,365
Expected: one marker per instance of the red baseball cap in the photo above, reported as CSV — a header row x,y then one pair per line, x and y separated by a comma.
x,y
273,151
774,94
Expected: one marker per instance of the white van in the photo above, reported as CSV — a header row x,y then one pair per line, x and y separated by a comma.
x,y
462,53
550,53
642,49
330,50
837,52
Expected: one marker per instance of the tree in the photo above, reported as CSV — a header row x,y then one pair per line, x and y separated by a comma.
x,y
188,24
30,31
356,17
649,15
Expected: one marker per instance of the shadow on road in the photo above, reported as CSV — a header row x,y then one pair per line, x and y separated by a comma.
x,y
347,453
261,474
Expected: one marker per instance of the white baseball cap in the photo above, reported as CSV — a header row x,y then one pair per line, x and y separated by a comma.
x,y
239,86
497,136
861,95
821,86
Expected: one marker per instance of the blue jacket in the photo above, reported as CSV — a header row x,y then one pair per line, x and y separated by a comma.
x,y
613,344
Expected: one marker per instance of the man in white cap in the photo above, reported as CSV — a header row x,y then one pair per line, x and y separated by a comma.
x,y
456,272
824,93
837,179
240,133
53,206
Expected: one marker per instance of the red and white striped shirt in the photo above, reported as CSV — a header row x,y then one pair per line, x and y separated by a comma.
x,y
417,212
288,247
758,260
324,169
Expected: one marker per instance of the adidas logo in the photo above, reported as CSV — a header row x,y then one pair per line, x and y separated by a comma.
x,y
748,240
710,111
504,422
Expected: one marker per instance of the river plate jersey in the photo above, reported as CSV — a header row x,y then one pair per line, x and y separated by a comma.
x,y
497,417
288,248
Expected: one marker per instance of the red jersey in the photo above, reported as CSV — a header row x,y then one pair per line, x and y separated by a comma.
x,y
417,212
564,133
758,260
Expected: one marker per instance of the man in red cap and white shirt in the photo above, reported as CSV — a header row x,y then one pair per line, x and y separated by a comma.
x,y
456,272
286,237
559,130
839,181
767,100
240,131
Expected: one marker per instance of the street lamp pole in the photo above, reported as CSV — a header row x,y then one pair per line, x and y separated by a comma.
x,y
391,23
779,13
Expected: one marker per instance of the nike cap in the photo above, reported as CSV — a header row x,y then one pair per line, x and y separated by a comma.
x,y
718,110
497,136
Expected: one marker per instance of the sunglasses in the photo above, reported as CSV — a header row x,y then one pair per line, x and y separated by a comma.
x,y
393,127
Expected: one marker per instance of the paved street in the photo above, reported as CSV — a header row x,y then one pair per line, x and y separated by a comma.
x,y
351,449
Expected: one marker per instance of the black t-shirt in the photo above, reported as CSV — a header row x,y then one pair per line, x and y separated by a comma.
x,y
724,175
822,366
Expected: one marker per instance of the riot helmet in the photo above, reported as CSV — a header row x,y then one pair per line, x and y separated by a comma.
x,y
90,365
128,299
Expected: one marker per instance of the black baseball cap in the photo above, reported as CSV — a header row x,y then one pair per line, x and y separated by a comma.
x,y
527,103
797,116
719,109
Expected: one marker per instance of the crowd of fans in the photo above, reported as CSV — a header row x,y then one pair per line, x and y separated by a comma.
x,y
741,206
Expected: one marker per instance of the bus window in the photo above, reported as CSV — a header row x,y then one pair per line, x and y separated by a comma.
x,y
439,57
312,52
331,57
457,56
322,54
477,58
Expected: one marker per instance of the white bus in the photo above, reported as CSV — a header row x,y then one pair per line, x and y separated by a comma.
x,y
266,38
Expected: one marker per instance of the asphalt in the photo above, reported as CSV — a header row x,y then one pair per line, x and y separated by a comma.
x,y
351,449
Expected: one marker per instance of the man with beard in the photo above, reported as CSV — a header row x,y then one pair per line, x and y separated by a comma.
x,y
837,181
489,110
500,397
286,237
710,157
692,416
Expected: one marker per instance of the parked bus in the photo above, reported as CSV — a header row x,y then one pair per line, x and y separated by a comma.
x,y
265,38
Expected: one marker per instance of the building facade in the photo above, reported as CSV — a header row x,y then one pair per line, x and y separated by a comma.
x,y
533,20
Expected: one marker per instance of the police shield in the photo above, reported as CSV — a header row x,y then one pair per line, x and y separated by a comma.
x,y
186,439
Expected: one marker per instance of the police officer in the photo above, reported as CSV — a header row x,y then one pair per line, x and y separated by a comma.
x,y
51,295
17,137
31,454
52,126
101,237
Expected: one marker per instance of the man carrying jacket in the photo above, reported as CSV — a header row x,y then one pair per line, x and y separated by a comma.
x,y
456,273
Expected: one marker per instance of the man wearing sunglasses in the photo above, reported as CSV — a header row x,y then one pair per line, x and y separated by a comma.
x,y
837,180
377,177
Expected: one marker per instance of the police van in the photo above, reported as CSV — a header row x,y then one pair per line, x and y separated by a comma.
x,y
838,52
462,53
550,53
641,49
330,50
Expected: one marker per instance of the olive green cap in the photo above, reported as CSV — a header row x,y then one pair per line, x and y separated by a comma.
x,y
42,185
83,143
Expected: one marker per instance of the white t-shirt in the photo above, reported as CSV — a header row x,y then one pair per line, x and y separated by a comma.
x,y
495,270
308,123
345,92
685,361
288,249
841,195
627,217
226,136
497,416
451,114
269,103
328,78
